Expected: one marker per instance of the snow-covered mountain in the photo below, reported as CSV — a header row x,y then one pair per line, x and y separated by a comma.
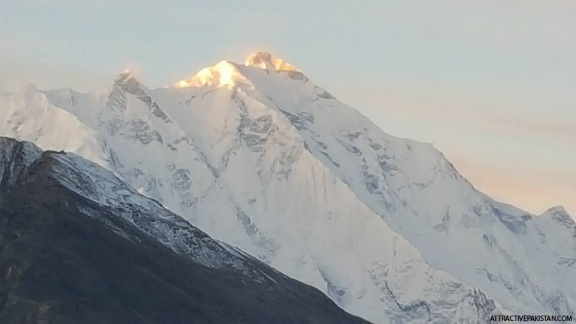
x,y
258,156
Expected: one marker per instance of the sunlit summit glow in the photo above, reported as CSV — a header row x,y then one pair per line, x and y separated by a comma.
x,y
268,61
222,74
226,73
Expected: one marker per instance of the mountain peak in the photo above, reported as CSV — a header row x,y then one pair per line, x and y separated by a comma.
x,y
225,73
124,76
557,211
268,61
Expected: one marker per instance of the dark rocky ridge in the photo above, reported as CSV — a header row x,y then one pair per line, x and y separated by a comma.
x,y
59,264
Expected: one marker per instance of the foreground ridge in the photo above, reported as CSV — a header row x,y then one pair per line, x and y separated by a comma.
x,y
78,245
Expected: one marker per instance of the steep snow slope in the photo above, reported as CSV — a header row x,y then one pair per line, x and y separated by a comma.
x,y
306,222
260,157
147,149
517,257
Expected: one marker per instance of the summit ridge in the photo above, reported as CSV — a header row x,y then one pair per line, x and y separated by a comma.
x,y
268,61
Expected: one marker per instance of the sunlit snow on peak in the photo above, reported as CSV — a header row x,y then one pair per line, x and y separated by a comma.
x,y
229,74
268,61
224,73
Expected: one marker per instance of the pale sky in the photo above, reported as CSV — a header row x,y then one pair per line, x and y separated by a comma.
x,y
491,83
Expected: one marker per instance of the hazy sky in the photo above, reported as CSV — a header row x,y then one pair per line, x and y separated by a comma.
x,y
491,83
